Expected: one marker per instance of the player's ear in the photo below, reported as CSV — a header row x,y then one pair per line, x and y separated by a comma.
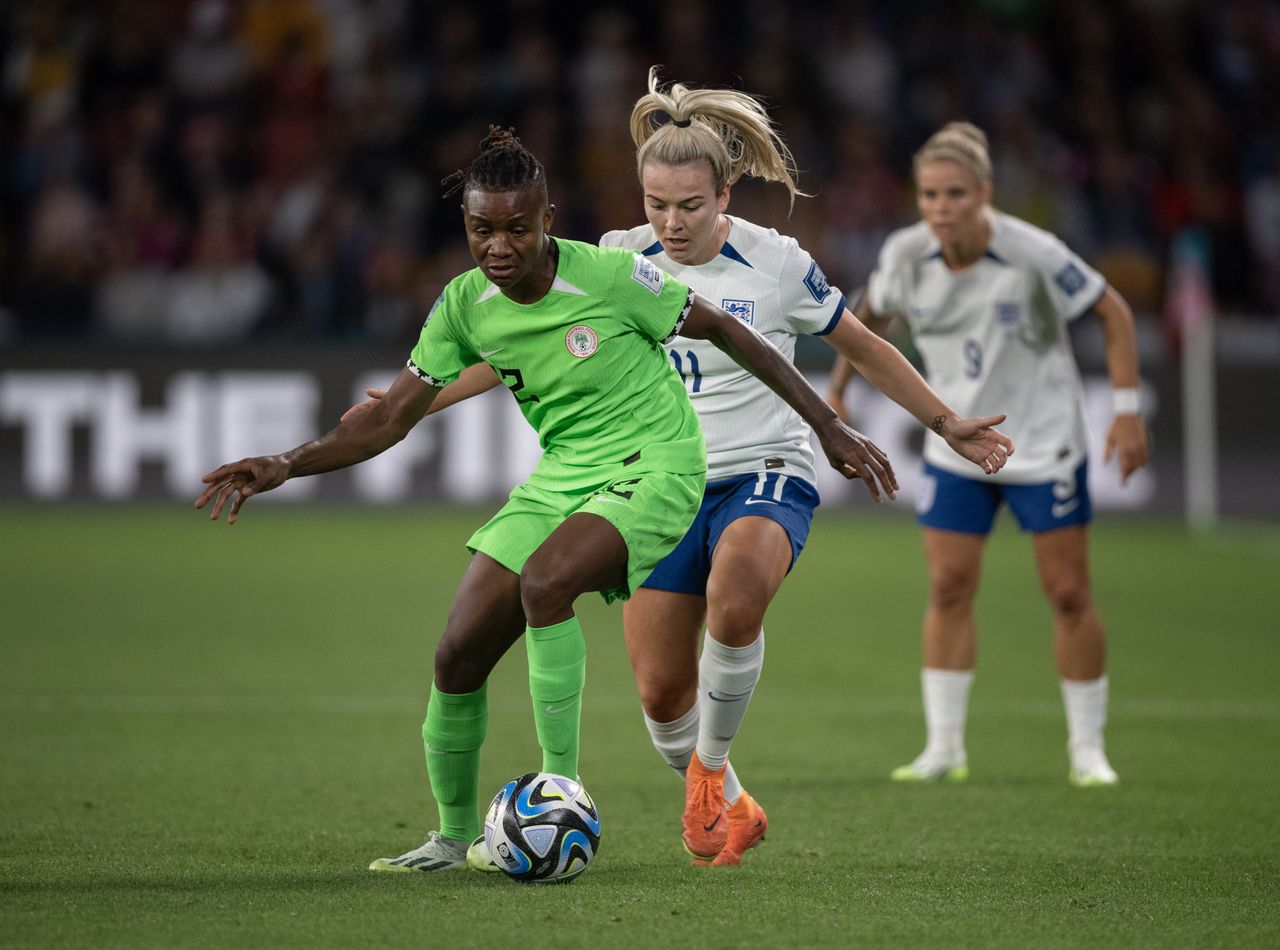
x,y
723,197
548,216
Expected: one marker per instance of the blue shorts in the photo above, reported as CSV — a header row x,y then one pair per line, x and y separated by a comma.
x,y
956,503
782,498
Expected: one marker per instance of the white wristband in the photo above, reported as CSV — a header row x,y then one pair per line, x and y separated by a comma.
x,y
1126,402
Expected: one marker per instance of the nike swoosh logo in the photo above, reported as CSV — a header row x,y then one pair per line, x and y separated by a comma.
x,y
1061,510
554,710
485,354
721,699
712,825
431,751
760,501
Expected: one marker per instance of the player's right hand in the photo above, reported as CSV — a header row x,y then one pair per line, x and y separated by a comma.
x,y
374,394
236,481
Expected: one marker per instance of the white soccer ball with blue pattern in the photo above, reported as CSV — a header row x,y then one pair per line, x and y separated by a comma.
x,y
542,827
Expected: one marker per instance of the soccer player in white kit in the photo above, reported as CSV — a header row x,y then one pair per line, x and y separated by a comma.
x,y
987,298
760,491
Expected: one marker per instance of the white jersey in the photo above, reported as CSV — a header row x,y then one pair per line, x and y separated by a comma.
x,y
770,282
993,338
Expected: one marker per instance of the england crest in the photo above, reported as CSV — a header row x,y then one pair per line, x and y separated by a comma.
x,y
1008,315
744,310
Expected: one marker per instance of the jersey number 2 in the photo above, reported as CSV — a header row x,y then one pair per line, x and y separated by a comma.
x,y
516,384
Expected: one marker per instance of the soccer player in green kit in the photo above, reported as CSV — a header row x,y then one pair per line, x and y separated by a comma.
x,y
575,332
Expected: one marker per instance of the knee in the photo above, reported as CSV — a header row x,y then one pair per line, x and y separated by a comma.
x,y
663,699
456,668
736,622
545,590
951,588
1068,596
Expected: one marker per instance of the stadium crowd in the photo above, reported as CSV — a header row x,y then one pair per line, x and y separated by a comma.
x,y
218,170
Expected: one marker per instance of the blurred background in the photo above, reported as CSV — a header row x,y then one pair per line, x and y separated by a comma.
x,y
219,219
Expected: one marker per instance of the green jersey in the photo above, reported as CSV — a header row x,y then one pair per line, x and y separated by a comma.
x,y
584,363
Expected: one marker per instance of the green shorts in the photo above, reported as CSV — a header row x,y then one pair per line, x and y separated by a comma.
x,y
651,510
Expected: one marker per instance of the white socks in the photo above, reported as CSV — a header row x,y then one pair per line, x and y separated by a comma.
x,y
946,708
727,677
1086,706
675,742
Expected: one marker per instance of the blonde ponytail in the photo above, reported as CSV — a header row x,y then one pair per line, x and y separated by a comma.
x,y
729,130
960,142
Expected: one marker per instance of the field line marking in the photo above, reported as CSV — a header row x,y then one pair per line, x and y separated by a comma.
x,y
266,704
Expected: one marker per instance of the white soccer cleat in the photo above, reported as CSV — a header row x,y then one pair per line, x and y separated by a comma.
x,y
437,854
933,768
479,858
1090,768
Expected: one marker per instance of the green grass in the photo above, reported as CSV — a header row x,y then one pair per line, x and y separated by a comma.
x,y
207,733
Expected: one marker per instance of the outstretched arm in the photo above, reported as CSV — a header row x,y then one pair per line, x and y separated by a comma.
x,y
850,453
361,437
1127,438
891,373
842,371
473,381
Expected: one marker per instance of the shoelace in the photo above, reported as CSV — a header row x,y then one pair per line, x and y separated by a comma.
x,y
702,795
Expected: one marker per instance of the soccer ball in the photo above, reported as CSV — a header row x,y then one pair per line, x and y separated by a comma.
x,y
542,827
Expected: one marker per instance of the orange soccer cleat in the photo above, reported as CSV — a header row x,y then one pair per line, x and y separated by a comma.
x,y
705,822
747,825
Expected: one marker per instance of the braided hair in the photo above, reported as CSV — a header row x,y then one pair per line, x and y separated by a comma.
x,y
504,164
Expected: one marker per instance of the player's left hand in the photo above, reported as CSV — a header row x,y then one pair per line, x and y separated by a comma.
x,y
1128,442
374,394
853,455
979,442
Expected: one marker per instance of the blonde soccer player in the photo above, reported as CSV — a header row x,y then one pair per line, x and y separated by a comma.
x,y
987,298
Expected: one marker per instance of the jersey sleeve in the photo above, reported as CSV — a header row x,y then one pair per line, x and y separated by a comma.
x,y
648,298
809,301
612,238
885,285
439,357
1072,285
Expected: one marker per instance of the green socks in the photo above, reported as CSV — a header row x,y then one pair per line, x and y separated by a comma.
x,y
452,735
557,672
456,724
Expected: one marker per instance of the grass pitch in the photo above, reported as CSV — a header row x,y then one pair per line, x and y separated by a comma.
x,y
207,733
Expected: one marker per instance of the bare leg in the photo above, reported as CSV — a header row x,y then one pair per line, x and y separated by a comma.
x,y
661,629
950,649
485,620
955,565
1079,646
747,568
1079,643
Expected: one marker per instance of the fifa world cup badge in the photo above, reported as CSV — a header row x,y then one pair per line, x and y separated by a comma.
x,y
581,341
